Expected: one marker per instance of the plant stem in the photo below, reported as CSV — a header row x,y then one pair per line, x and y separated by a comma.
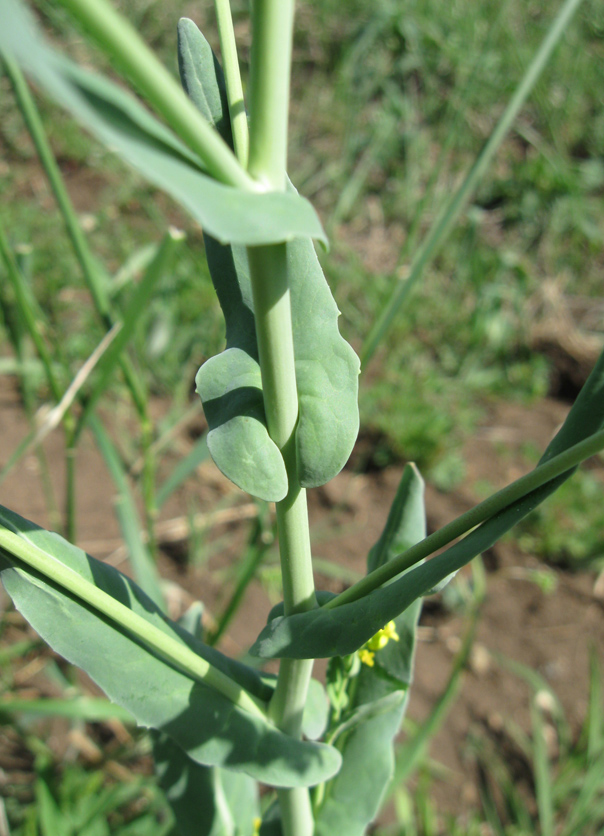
x,y
230,65
270,69
268,270
122,43
272,35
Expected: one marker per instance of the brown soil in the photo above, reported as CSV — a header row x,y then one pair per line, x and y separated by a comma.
x,y
550,633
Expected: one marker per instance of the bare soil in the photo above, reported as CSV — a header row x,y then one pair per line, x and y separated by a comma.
x,y
551,633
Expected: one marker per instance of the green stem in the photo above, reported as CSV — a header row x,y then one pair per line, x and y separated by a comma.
x,y
268,270
542,474
151,636
272,33
122,43
295,807
230,65
270,69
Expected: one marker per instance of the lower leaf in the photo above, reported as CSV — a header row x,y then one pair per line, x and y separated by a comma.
x,y
205,723
205,800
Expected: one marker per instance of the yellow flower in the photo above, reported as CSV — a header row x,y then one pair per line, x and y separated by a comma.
x,y
367,657
257,823
383,636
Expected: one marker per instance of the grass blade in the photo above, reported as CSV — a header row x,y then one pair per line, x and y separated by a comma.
x,y
94,275
444,223
125,507
542,772
249,564
185,467
90,709
25,307
138,305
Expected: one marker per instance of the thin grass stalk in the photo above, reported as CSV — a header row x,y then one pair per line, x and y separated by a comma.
x,y
90,269
443,225
454,114
98,292
250,564
16,280
15,331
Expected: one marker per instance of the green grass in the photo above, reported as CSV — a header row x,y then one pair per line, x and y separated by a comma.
x,y
569,530
390,107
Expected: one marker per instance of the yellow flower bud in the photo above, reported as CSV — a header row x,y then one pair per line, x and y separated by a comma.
x,y
367,657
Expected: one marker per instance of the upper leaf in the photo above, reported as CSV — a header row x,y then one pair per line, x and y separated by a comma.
x,y
208,726
230,384
119,121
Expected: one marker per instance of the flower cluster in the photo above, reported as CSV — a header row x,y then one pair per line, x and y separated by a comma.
x,y
380,640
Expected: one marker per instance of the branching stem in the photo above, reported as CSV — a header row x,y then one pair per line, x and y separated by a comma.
x,y
122,43
175,652
232,76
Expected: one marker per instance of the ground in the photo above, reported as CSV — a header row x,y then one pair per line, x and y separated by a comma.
x,y
549,632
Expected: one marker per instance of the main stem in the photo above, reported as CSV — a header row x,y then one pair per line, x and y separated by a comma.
x,y
272,33
270,286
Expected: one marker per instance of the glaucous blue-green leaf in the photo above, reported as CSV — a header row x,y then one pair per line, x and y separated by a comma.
x,y
341,630
379,695
120,122
406,523
326,366
230,388
316,711
202,77
354,796
205,800
405,526
207,725
327,370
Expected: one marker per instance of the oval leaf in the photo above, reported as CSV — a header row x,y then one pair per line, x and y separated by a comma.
x,y
230,388
327,368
